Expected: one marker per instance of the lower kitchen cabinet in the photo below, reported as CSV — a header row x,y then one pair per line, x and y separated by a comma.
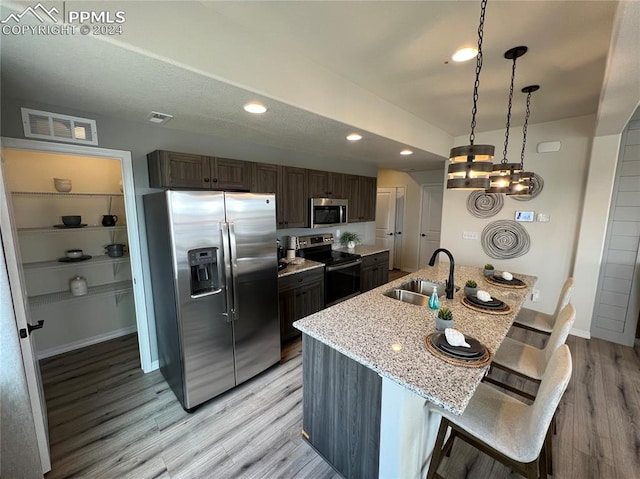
x,y
374,271
300,294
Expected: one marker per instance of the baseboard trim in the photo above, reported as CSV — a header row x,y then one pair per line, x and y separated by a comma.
x,y
65,348
580,333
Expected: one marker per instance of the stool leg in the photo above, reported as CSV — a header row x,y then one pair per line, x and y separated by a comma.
x,y
548,448
436,457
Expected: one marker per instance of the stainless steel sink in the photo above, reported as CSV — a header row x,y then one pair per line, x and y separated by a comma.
x,y
424,286
408,296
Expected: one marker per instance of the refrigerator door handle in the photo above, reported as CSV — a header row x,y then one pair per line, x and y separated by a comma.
x,y
226,253
234,272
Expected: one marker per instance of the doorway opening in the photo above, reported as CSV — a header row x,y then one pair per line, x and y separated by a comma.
x,y
430,222
390,207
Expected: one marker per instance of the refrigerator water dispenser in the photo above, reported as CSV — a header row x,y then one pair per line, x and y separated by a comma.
x,y
204,271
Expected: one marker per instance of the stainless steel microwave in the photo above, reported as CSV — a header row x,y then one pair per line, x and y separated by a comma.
x,y
328,212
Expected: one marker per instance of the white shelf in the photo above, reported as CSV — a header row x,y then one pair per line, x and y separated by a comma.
x,y
51,229
95,260
42,194
66,296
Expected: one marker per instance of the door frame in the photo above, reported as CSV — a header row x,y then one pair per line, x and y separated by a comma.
x,y
133,232
399,260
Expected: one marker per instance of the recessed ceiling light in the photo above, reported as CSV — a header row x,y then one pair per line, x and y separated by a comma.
x,y
354,137
464,54
406,152
255,107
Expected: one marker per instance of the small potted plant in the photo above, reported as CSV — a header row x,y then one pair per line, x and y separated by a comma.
x,y
349,239
488,269
444,319
470,288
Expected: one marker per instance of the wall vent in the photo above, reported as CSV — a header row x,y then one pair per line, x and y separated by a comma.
x,y
158,118
45,125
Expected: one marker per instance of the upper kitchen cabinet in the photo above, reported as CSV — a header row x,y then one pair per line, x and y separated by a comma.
x,y
325,184
361,193
168,169
290,187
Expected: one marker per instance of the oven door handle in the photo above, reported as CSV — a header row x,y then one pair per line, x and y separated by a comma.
x,y
343,266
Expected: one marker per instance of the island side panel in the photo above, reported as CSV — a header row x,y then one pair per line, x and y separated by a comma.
x,y
341,409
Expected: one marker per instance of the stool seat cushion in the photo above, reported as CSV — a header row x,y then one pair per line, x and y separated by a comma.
x,y
522,358
535,320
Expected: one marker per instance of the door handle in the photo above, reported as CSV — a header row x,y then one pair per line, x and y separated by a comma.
x,y
234,266
423,235
226,253
390,234
24,332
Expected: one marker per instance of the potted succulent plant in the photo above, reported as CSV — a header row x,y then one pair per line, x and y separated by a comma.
x,y
444,319
488,269
349,239
470,287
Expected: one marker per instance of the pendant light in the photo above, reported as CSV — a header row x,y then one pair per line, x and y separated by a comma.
x,y
505,175
523,187
471,164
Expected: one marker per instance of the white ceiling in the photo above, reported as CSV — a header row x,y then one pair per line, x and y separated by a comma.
x,y
396,51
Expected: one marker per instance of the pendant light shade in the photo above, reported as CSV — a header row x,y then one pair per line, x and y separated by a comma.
x,y
472,164
505,176
523,186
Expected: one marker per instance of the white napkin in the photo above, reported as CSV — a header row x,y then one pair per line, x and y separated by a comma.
x,y
455,338
506,275
483,296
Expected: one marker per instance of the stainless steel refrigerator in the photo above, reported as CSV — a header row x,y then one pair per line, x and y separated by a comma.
x,y
213,261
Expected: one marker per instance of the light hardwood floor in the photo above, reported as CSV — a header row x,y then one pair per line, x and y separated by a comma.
x,y
108,420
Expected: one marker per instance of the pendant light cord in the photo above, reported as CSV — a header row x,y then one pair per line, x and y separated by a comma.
x,y
524,129
476,85
506,131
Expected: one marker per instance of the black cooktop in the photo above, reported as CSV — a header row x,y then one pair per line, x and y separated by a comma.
x,y
324,254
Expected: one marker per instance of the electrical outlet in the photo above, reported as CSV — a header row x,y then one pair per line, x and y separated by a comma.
x,y
535,295
470,235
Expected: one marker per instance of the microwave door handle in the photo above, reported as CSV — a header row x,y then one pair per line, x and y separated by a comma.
x,y
234,269
345,265
226,254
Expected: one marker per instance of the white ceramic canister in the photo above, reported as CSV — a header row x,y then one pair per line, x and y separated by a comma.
x,y
78,286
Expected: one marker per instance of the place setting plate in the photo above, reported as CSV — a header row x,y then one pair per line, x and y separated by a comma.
x,y
70,226
494,306
84,257
474,357
514,283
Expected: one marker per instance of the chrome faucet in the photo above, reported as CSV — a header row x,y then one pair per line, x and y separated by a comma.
x,y
449,287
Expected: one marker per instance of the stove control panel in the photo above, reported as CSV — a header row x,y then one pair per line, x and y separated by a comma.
x,y
315,240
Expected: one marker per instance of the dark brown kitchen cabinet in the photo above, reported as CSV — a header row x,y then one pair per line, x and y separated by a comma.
x,y
290,187
325,184
374,271
300,294
169,169
361,193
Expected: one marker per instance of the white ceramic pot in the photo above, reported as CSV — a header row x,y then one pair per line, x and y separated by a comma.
x,y
78,286
351,244
62,185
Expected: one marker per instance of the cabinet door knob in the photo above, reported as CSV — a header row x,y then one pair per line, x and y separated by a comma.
x,y
390,234
215,180
206,180
423,235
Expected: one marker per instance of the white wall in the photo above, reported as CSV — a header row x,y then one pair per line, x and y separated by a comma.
x,y
413,183
552,253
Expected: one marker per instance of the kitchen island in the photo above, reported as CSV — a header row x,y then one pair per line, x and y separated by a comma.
x,y
368,374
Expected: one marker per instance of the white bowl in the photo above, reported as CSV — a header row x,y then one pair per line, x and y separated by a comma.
x,y
62,185
74,253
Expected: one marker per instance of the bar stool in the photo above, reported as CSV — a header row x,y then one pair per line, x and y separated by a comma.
x,y
529,362
505,428
539,322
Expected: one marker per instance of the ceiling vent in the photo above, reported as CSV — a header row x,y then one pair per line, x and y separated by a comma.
x,y
158,118
45,125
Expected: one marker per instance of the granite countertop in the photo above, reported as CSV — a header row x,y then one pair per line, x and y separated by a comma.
x,y
365,327
365,249
298,268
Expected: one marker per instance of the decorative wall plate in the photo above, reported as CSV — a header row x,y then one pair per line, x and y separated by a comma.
x,y
505,239
484,205
537,183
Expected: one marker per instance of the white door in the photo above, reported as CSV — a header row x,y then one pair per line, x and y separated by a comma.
x,y
386,220
430,220
20,307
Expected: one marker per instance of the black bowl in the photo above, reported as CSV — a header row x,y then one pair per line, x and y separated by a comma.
x,y
72,220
